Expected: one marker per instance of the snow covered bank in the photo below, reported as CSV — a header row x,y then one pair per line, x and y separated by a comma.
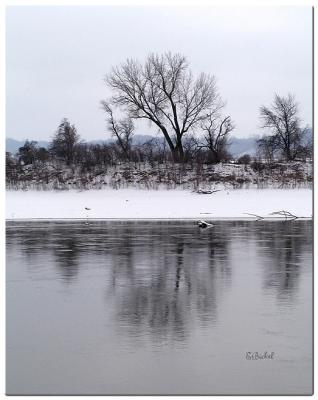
x,y
161,176
131,203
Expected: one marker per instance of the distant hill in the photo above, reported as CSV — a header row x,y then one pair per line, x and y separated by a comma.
x,y
241,146
237,146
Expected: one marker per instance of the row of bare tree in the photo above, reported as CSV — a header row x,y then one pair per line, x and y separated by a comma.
x,y
188,112
68,148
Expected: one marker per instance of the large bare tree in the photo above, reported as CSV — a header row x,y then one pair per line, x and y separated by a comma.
x,y
283,121
164,91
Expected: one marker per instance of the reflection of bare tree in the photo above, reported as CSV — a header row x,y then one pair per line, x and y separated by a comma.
x,y
285,247
66,254
164,276
172,280
27,238
50,240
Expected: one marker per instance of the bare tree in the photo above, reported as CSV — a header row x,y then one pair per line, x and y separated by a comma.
x,y
163,91
190,148
282,119
64,142
216,134
123,130
267,147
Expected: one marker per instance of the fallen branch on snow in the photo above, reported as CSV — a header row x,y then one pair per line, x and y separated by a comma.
x,y
285,214
255,215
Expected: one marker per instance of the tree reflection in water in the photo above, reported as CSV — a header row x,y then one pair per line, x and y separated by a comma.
x,y
283,247
167,279
164,276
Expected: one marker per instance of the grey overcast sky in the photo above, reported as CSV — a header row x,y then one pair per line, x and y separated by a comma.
x,y
57,57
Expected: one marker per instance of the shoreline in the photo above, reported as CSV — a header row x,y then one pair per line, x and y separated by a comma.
x,y
186,219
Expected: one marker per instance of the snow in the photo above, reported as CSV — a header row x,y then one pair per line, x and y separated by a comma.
x,y
160,204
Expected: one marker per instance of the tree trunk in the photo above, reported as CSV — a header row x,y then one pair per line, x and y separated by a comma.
x,y
175,154
288,154
178,154
180,151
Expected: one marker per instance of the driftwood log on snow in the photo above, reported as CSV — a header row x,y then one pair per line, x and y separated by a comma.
x,y
200,191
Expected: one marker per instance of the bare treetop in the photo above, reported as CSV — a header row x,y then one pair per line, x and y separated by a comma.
x,y
282,115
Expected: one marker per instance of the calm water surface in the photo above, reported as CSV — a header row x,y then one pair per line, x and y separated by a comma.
x,y
159,307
